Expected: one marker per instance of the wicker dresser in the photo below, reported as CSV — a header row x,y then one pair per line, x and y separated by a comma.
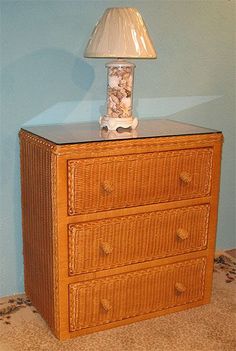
x,y
117,231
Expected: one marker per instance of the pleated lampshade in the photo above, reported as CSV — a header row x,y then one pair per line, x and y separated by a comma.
x,y
120,33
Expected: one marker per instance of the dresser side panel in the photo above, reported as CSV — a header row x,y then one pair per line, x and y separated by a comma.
x,y
216,172
38,168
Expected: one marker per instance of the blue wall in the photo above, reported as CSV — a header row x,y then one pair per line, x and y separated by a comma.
x,y
45,79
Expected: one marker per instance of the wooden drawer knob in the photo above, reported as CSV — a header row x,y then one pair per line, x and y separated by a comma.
x,y
185,177
180,288
106,248
107,186
106,305
182,234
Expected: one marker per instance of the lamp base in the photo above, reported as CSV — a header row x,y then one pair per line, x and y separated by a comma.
x,y
114,123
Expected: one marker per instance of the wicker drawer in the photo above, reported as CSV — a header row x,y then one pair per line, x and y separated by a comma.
x,y
110,243
127,295
106,183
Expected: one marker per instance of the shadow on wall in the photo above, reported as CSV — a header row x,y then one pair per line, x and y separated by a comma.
x,y
165,107
37,81
28,86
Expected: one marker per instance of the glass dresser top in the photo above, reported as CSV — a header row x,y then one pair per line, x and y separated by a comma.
x,y
90,132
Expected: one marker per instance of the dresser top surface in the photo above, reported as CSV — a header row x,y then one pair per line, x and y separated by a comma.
x,y
75,133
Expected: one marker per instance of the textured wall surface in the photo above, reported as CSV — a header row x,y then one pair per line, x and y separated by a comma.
x,y
45,79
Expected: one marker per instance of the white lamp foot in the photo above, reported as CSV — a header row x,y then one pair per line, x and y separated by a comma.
x,y
114,123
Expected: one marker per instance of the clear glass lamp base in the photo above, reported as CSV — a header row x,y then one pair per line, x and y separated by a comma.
x,y
114,123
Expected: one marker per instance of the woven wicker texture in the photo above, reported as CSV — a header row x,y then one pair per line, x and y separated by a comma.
x,y
120,241
106,183
117,232
127,295
37,226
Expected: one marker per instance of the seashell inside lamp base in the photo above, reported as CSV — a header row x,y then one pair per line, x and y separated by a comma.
x,y
119,96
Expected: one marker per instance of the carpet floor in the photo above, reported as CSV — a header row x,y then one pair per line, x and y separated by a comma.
x,y
207,328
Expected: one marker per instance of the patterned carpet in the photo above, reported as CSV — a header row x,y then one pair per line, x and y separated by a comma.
x,y
206,328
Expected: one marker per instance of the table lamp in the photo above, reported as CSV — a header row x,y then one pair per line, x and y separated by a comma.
x,y
120,33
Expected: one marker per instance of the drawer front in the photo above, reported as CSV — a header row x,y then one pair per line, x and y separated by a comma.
x,y
128,295
106,183
110,243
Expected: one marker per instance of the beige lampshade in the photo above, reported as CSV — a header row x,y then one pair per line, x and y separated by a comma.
x,y
120,33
